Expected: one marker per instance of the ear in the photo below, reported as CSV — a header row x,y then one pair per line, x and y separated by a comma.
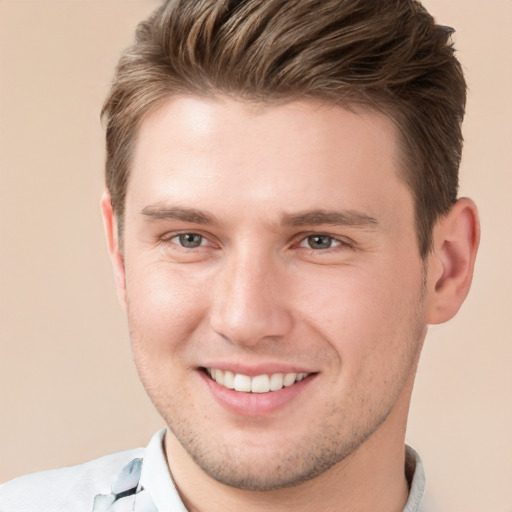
x,y
455,242
110,224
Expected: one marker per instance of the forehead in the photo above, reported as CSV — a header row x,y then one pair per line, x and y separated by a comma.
x,y
304,154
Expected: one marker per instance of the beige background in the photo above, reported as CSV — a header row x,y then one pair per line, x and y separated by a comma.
x,y
68,389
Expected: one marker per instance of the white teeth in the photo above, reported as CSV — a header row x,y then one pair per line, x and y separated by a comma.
x,y
219,377
289,379
242,383
258,384
229,379
276,381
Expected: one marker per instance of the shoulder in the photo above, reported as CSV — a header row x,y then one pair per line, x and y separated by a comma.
x,y
66,489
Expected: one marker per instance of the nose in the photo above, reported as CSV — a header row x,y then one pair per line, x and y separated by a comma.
x,y
249,301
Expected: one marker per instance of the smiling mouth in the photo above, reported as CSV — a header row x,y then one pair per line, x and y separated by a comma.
x,y
257,384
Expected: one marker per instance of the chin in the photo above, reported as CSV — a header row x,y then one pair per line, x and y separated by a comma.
x,y
271,465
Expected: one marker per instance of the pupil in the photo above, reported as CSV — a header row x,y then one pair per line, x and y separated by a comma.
x,y
320,242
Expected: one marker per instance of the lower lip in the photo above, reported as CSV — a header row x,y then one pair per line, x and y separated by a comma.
x,y
255,404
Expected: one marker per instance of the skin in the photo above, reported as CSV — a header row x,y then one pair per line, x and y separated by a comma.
x,y
259,295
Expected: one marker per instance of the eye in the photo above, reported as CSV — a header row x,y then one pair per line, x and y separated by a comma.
x,y
320,242
189,240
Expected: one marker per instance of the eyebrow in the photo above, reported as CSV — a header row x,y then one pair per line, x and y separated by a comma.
x,y
333,218
305,218
158,211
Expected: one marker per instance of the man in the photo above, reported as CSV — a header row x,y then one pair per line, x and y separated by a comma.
x,y
282,217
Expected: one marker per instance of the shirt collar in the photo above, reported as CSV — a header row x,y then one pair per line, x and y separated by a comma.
x,y
156,477
417,483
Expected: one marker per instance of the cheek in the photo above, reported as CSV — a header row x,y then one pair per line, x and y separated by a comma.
x,y
165,306
371,319
164,310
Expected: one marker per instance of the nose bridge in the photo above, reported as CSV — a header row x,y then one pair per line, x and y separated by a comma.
x,y
247,304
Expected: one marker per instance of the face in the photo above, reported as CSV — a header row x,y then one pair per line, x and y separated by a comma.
x,y
273,284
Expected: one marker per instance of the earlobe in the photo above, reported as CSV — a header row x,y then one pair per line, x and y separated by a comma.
x,y
110,225
455,243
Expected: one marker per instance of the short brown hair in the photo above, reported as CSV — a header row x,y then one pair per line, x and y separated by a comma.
x,y
388,55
